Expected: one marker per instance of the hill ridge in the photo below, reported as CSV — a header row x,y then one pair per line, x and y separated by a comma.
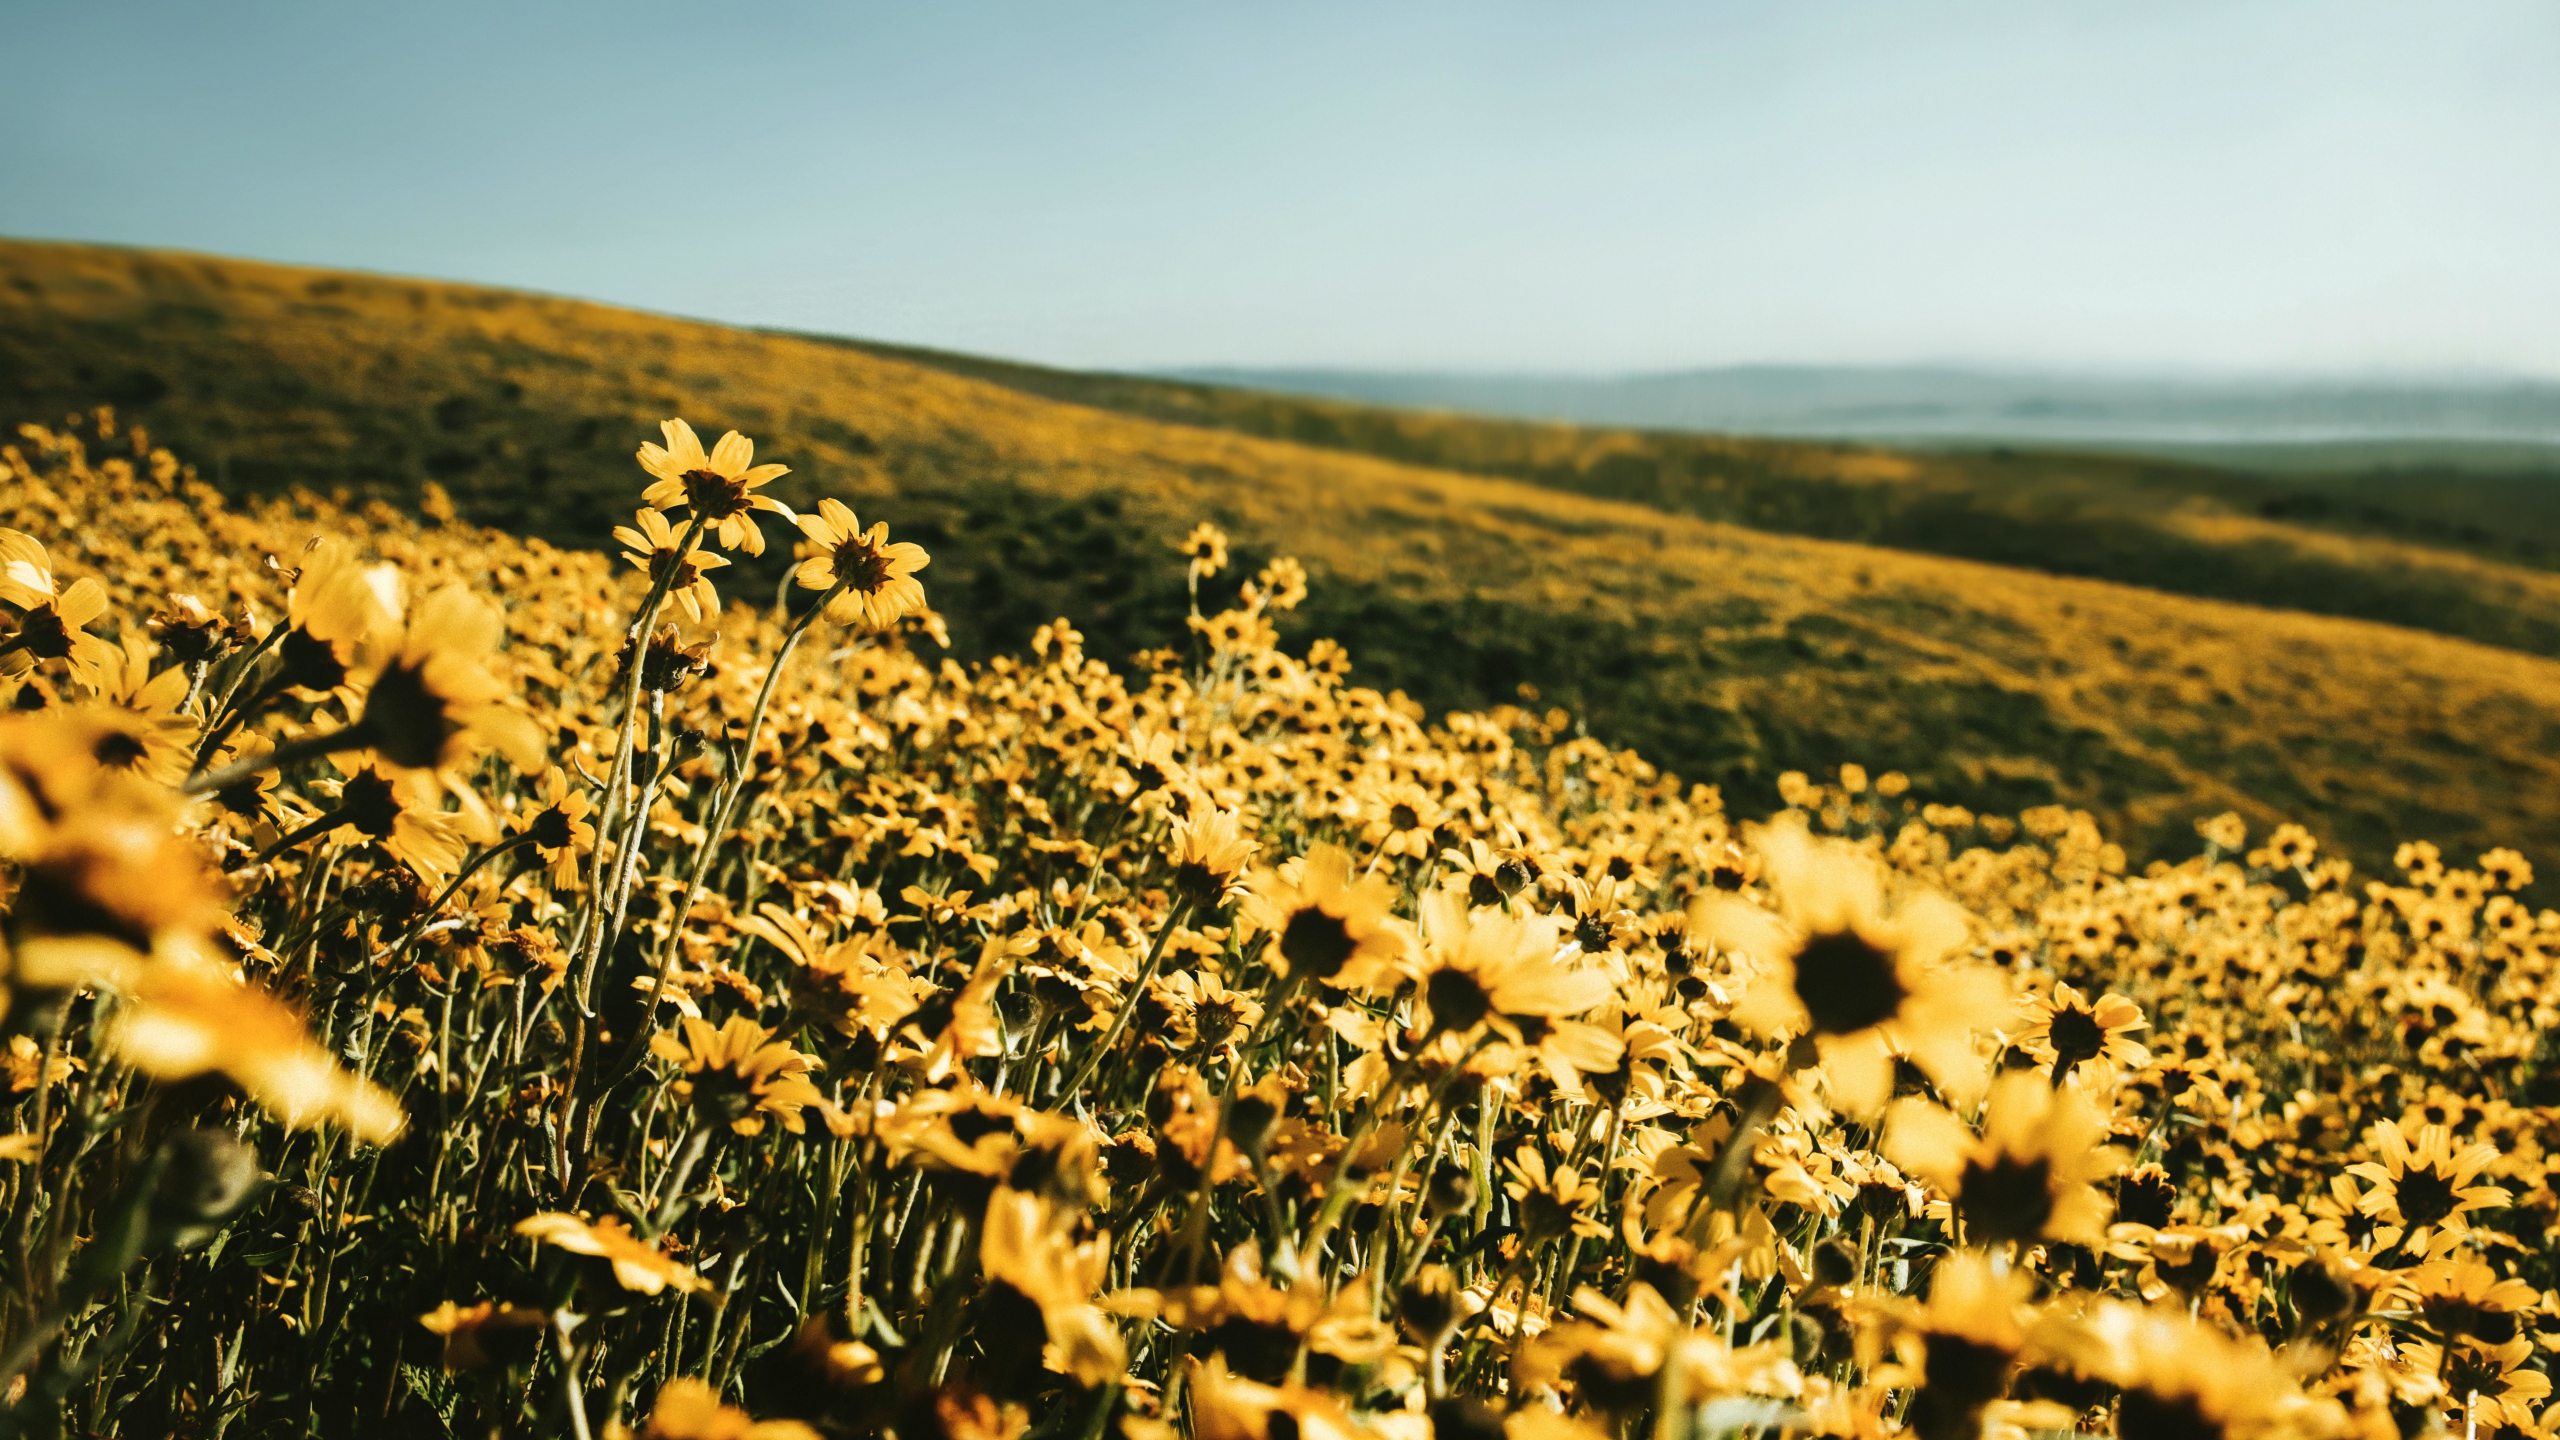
x,y
1727,653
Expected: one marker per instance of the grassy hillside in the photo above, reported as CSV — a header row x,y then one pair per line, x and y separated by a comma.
x,y
1727,653
2367,533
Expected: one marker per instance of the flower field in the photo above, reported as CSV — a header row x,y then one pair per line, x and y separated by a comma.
x,y
460,985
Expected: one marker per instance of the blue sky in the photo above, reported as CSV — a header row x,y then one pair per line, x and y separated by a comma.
x,y
2335,185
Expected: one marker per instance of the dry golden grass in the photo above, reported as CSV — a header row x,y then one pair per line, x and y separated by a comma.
x,y
1729,654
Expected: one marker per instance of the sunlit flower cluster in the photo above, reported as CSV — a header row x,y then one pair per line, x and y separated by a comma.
x,y
455,984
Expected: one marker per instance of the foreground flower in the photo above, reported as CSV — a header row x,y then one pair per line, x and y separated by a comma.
x,y
652,547
878,577
106,879
138,716
738,1074
436,700
1866,973
338,605
52,625
188,1018
2423,1193
689,1409
1328,926
2184,1379
2028,1176
2067,1028
1507,972
489,1333
1968,1339
637,1265
719,488
1209,857
1042,1281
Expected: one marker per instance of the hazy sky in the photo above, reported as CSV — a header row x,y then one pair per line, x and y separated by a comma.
x,y
2328,184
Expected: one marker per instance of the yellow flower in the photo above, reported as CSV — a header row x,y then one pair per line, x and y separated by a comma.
x,y
436,699
559,831
51,627
1506,972
2490,1385
2425,1190
2462,1298
337,606
1553,1200
689,1409
1866,978
719,488
878,577
2181,1376
106,878
396,812
1969,1337
652,547
738,1074
637,1265
1209,857
186,1018
1206,548
2066,1029
1326,925
144,732
1027,1248
489,1333
2028,1176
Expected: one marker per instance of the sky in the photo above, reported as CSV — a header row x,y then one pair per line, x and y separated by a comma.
x,y
2333,185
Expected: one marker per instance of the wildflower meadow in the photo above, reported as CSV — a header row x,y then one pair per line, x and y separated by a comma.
x,y
461,985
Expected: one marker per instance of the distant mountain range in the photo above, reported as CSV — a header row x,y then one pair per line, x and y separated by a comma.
x,y
1955,405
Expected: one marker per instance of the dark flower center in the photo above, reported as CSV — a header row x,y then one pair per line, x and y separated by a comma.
x,y
2468,1372
1216,1020
2076,1036
1401,816
2141,1415
1457,1002
2450,1315
406,719
2426,1197
247,798
310,663
366,802
1964,1376
44,634
714,496
2007,1199
860,566
1846,984
117,750
677,572
552,829
1198,883
1259,1350
2145,1199
1316,944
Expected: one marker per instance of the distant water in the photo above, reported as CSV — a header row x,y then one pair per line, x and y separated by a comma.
x,y
1950,405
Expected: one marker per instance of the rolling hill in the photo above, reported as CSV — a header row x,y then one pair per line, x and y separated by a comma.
x,y
2378,533
1727,651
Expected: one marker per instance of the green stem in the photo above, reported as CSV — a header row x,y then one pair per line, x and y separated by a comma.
x,y
1137,991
